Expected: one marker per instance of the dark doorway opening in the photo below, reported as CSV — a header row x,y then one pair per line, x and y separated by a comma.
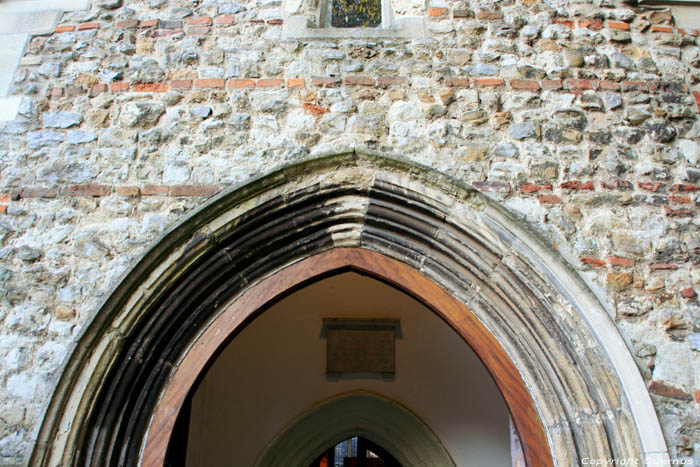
x,y
356,452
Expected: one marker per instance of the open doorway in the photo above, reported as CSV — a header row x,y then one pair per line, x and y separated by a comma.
x,y
274,371
356,452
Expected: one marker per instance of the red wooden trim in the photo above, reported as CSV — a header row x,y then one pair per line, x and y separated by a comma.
x,y
521,406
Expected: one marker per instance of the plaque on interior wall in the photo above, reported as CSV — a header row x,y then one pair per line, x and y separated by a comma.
x,y
360,348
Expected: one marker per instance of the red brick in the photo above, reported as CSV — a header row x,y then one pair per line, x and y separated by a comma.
x,y
657,28
684,188
151,87
74,91
489,81
576,185
634,86
565,22
696,394
596,263
359,81
489,15
128,191
197,31
592,24
652,187
583,84
620,261
97,89
295,82
269,83
529,85
209,83
663,267
570,185
193,190
457,82
240,83
86,26
688,293
623,185
119,86
677,199
678,212
609,85
43,193
64,28
181,84
325,82
663,389
436,12
225,20
696,96
155,190
275,22
551,84
4,197
532,188
149,23
201,21
314,109
87,190
3,208
385,81
618,25
549,199
129,23
689,32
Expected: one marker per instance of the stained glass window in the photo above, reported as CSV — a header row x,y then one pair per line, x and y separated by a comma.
x,y
356,13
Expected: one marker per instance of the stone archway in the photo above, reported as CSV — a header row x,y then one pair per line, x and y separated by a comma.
x,y
571,385
260,295
384,422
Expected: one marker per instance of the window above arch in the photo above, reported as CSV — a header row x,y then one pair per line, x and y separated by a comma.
x,y
315,19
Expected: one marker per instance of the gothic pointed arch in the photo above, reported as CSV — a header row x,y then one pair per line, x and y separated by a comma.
x,y
382,421
572,387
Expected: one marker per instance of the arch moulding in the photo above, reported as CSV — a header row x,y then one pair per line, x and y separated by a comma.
x,y
571,385
380,420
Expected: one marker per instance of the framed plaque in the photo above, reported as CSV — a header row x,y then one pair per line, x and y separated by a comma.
x,y
360,348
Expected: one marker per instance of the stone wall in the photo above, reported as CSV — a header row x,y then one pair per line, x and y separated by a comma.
x,y
578,116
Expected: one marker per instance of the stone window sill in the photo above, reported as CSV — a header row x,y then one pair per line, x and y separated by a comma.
x,y
407,27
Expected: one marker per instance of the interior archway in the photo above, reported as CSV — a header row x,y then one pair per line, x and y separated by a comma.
x,y
380,420
583,395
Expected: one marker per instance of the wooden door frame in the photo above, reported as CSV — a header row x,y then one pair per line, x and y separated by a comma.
x,y
209,344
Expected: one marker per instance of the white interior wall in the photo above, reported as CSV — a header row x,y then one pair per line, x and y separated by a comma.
x,y
274,371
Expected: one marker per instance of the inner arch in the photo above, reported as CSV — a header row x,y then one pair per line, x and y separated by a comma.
x,y
274,370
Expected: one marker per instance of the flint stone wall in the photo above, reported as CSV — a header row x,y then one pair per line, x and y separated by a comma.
x,y
581,117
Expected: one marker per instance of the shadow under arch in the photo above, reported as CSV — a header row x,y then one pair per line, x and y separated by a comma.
x,y
380,420
581,393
